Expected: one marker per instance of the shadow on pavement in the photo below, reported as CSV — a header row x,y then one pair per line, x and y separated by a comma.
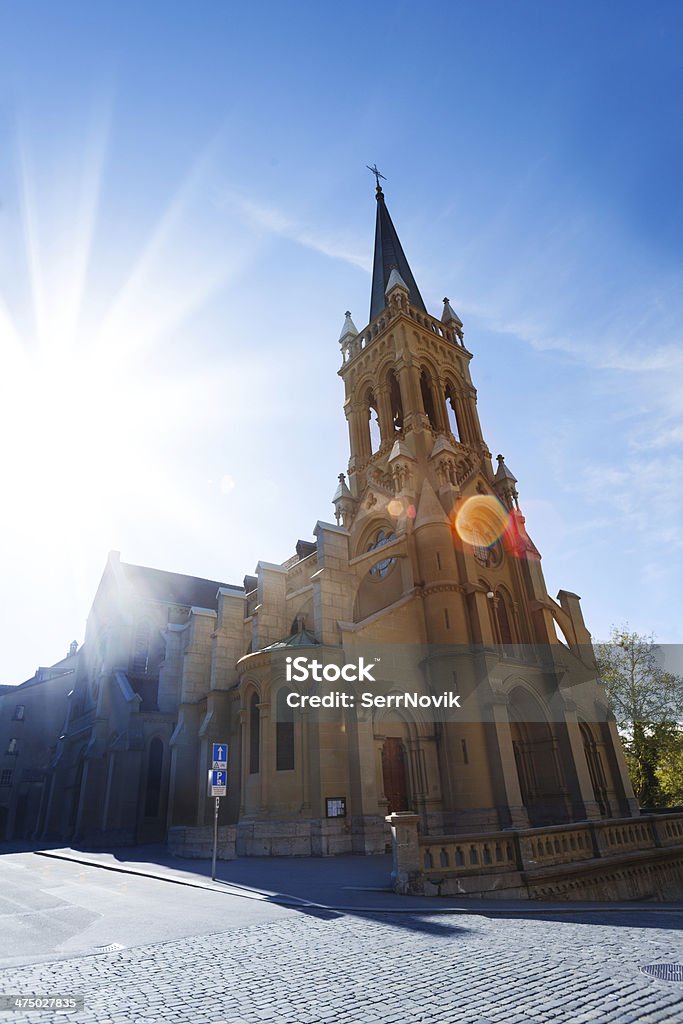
x,y
327,888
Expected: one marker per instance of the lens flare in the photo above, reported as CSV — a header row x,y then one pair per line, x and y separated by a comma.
x,y
481,520
395,507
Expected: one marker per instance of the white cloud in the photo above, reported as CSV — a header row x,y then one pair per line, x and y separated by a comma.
x,y
278,223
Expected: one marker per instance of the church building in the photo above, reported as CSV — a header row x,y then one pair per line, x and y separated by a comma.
x,y
427,573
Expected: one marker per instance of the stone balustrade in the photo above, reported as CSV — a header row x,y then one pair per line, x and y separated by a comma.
x,y
513,862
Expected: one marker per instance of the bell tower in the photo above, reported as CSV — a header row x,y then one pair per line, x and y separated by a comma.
x,y
421,473
409,399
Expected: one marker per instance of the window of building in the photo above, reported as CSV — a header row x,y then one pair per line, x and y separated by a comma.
x,y
504,619
451,408
396,402
19,710
254,734
6,777
373,424
284,734
13,746
428,399
383,567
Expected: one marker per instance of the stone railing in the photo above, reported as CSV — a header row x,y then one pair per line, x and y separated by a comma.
x,y
440,860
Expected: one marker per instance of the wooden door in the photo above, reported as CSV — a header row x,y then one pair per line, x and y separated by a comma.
x,y
394,774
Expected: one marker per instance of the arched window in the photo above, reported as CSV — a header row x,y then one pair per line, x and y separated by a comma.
x,y
595,769
503,617
284,733
373,423
155,761
254,734
141,648
428,399
453,424
396,402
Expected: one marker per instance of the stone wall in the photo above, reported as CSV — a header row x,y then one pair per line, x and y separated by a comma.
x,y
197,841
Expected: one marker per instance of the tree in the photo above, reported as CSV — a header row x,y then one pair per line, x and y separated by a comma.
x,y
648,706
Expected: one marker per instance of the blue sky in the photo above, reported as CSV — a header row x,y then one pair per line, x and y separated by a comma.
x,y
185,214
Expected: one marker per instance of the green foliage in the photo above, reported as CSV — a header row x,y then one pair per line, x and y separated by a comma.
x,y
648,706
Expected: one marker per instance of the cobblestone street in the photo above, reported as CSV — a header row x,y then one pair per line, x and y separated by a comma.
x,y
322,966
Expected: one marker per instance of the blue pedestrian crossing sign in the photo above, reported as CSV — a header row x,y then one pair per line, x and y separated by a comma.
x,y
219,782
219,755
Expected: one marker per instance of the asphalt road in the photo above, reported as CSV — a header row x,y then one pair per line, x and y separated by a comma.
x,y
205,956
53,908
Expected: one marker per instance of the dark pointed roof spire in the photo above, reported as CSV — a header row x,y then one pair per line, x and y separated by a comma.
x,y
389,255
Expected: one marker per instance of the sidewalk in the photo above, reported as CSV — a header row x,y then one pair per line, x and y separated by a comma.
x,y
347,883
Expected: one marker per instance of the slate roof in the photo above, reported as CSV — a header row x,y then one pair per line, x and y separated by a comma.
x,y
389,254
174,587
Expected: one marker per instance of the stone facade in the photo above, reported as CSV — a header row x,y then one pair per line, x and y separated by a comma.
x,y
429,572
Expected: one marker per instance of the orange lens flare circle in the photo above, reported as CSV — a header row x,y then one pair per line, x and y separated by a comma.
x,y
481,520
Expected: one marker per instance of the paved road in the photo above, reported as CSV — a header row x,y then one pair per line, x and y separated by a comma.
x,y
300,967
52,908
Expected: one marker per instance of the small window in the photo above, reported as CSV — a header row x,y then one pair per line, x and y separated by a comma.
x,y
6,777
13,746
18,715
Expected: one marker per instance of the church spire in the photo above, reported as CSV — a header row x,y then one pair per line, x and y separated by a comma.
x,y
389,256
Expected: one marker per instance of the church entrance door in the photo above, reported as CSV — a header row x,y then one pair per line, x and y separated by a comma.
x,y
394,775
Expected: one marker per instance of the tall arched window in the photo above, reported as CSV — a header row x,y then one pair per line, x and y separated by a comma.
x,y
155,760
373,423
595,769
396,402
503,617
453,424
428,399
254,734
284,733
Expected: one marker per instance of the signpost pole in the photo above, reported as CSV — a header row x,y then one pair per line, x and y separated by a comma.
x,y
215,839
218,787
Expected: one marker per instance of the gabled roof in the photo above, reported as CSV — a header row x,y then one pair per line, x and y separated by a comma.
x,y
173,587
389,255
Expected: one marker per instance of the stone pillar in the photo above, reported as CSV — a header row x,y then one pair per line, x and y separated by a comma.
x,y
305,762
509,783
267,754
406,876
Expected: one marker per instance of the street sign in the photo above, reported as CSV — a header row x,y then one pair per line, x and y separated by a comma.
x,y
219,782
219,756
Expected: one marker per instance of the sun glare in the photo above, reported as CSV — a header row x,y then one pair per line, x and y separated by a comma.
x,y
88,431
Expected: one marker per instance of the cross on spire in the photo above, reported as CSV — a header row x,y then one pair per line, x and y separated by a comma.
x,y
377,175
